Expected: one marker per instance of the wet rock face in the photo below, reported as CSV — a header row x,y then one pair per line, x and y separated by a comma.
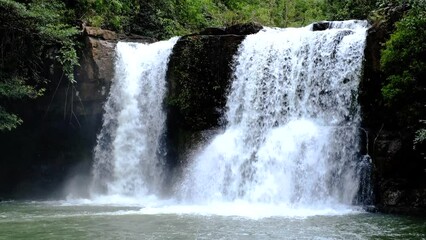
x,y
96,72
320,26
60,128
399,198
244,29
100,33
238,29
399,176
199,76
396,193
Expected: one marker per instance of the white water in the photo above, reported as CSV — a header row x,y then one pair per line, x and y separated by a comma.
x,y
290,146
128,155
292,137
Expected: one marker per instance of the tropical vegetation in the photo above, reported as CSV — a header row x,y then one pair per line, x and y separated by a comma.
x,y
35,32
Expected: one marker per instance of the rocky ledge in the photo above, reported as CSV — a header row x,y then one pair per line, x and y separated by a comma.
x,y
399,169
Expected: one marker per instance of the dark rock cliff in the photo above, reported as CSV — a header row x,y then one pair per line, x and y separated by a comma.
x,y
199,74
60,128
399,170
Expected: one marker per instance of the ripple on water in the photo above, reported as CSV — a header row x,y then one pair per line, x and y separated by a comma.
x,y
55,221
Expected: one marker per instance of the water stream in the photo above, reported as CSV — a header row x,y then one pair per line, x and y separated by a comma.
x,y
291,141
292,133
286,165
128,156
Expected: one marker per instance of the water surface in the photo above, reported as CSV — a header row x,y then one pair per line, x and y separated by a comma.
x,y
59,220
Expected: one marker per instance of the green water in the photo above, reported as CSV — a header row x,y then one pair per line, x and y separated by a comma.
x,y
38,220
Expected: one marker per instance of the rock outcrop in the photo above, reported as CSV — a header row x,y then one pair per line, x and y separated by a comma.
x,y
399,170
199,75
96,70
60,128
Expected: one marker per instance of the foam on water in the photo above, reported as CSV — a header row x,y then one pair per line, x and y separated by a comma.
x,y
249,210
238,208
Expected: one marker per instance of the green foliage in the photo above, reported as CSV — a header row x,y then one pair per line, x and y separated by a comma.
x,y
280,13
420,137
68,59
8,121
403,58
32,28
29,31
112,14
44,23
16,88
403,62
165,18
396,87
351,9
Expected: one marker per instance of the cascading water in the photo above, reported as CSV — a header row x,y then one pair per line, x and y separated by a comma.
x,y
292,133
128,156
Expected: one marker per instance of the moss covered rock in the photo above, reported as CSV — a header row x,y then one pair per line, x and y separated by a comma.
x,y
199,76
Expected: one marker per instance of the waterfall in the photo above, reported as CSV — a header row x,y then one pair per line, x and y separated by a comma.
x,y
128,158
292,132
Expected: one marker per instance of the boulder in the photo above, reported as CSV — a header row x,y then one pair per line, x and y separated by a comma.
x,y
95,73
100,33
199,73
244,29
199,76
320,26
238,29
213,31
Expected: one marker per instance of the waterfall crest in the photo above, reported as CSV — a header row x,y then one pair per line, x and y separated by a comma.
x,y
292,132
128,156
